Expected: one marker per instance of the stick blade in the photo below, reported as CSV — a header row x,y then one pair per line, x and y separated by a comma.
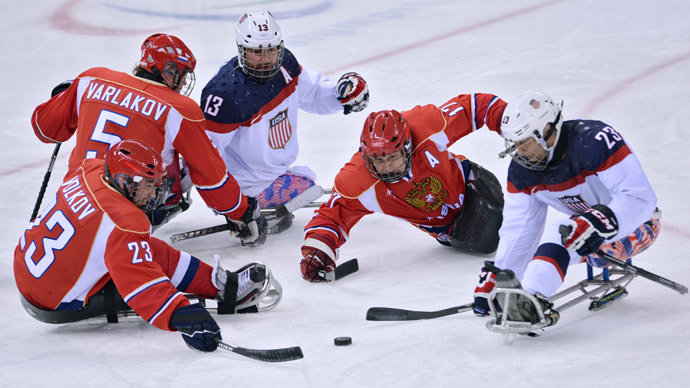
x,y
266,355
271,355
394,314
387,314
347,268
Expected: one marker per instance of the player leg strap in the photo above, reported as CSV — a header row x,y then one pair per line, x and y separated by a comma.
x,y
106,302
476,227
227,306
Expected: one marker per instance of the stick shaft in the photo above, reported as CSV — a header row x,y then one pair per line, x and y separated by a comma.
x,y
642,272
46,179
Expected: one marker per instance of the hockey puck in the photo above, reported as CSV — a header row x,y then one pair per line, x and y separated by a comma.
x,y
342,341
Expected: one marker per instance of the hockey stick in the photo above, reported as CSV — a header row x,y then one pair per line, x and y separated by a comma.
x,y
44,185
270,214
393,314
303,199
267,355
635,270
344,269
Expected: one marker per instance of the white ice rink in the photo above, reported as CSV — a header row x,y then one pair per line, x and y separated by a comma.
x,y
626,63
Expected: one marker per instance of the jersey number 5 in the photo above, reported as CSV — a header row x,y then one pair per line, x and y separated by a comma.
x,y
99,134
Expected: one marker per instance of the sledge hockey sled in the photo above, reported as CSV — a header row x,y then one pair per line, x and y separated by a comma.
x,y
601,290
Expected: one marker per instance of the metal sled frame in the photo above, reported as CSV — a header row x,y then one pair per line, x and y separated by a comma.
x,y
601,289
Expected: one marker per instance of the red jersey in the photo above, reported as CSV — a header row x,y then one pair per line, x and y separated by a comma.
x,y
432,193
105,106
90,233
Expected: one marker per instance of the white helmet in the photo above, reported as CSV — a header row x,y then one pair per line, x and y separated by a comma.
x,y
259,33
529,121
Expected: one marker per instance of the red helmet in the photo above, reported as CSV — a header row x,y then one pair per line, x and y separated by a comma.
x,y
132,166
163,54
386,133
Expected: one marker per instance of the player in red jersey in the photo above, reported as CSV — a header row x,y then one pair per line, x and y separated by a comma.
x,y
404,169
104,106
89,253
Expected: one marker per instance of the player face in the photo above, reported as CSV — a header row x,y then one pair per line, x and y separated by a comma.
x,y
145,190
262,59
530,150
169,75
390,164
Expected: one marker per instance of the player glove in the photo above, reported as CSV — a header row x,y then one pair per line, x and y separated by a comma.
x,y
586,232
252,227
315,260
199,330
353,92
61,87
487,281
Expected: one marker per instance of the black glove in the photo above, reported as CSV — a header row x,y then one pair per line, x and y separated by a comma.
x,y
353,92
251,229
586,232
199,330
61,87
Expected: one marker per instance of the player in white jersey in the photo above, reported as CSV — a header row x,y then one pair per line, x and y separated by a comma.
x,y
582,168
251,107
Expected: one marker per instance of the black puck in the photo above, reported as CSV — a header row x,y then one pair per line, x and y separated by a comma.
x,y
342,341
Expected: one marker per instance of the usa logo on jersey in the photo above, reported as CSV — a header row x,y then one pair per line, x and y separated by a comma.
x,y
280,130
575,203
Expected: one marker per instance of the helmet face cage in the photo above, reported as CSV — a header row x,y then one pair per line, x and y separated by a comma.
x,y
146,193
136,171
386,140
522,155
394,175
259,45
166,56
261,64
176,78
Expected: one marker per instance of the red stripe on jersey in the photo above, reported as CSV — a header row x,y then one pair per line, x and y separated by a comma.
x,y
513,190
276,101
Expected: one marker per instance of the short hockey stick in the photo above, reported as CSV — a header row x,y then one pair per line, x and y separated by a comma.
x,y
393,314
267,355
344,269
635,270
46,178
268,213
304,199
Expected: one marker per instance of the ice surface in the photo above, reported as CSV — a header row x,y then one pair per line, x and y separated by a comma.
x,y
622,62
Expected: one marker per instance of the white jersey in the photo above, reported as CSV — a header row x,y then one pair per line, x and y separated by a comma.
x,y
599,168
253,125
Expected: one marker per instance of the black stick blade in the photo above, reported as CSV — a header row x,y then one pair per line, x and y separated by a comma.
x,y
266,355
272,355
346,268
394,314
